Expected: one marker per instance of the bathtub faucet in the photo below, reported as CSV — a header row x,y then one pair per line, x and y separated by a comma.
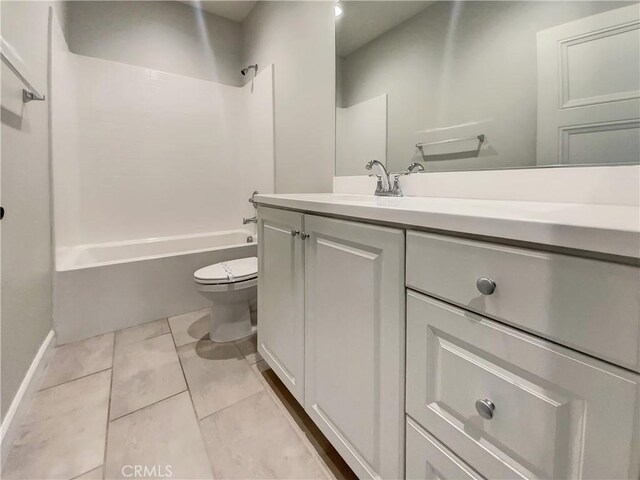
x,y
249,220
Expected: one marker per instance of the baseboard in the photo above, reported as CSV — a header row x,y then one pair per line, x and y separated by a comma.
x,y
11,423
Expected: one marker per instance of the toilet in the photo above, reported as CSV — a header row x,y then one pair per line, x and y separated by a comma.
x,y
232,288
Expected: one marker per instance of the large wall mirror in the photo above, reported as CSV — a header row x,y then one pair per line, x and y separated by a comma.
x,y
472,85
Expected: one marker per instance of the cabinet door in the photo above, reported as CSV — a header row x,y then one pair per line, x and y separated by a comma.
x,y
281,296
354,350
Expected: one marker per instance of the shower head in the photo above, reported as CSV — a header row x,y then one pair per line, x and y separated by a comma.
x,y
245,70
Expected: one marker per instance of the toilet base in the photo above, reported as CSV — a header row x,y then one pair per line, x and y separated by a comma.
x,y
230,321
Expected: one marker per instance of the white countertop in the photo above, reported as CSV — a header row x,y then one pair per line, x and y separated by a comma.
x,y
608,229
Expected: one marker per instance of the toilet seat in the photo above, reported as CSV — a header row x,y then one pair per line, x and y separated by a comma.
x,y
238,272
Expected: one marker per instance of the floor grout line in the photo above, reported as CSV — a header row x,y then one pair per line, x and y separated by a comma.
x,y
195,413
146,338
232,405
74,379
106,433
84,473
179,363
149,405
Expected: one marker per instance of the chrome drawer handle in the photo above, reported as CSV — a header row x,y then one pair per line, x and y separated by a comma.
x,y
304,236
486,286
294,233
485,408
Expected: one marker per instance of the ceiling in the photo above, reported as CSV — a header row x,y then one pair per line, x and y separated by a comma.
x,y
362,21
236,10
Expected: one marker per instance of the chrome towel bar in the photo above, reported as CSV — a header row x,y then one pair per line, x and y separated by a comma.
x,y
479,138
28,94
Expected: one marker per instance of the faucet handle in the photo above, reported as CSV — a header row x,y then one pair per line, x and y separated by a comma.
x,y
396,189
415,167
252,200
379,183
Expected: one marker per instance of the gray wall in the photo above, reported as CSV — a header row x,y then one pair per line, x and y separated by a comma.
x,y
162,35
26,261
440,72
298,38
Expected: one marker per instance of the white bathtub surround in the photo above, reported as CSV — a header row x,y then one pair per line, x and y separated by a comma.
x,y
140,153
104,287
604,229
141,158
609,185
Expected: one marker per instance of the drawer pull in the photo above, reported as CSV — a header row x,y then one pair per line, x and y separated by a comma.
x,y
485,408
486,286
294,233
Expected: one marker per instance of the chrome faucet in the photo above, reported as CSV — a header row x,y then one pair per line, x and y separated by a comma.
x,y
383,178
253,202
385,187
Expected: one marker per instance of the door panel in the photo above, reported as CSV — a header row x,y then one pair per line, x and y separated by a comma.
x,y
281,296
354,341
589,90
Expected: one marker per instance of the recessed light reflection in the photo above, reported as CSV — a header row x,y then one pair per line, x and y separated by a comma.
x,y
338,10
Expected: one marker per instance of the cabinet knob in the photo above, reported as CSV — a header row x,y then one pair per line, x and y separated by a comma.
x,y
485,408
486,286
294,233
304,236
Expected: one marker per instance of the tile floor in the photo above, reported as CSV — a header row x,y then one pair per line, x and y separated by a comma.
x,y
161,400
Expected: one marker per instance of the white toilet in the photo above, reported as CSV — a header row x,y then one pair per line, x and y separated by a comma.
x,y
232,288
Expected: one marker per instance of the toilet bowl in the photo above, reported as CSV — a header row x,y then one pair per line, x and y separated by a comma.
x,y
232,288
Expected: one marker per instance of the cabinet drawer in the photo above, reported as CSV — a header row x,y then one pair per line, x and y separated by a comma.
x,y
427,458
557,413
589,305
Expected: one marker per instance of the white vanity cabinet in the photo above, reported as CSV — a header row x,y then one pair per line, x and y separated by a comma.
x,y
520,363
332,326
281,296
354,341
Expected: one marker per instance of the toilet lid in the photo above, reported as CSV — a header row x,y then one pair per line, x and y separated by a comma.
x,y
231,271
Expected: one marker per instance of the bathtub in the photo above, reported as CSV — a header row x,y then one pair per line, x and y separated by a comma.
x,y
104,287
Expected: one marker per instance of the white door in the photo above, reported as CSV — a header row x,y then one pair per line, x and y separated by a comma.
x,y
354,350
589,90
281,296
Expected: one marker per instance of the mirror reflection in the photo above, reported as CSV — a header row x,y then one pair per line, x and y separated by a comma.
x,y
486,84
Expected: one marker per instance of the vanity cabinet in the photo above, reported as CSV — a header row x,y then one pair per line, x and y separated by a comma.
x,y
354,341
331,325
281,296
519,363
